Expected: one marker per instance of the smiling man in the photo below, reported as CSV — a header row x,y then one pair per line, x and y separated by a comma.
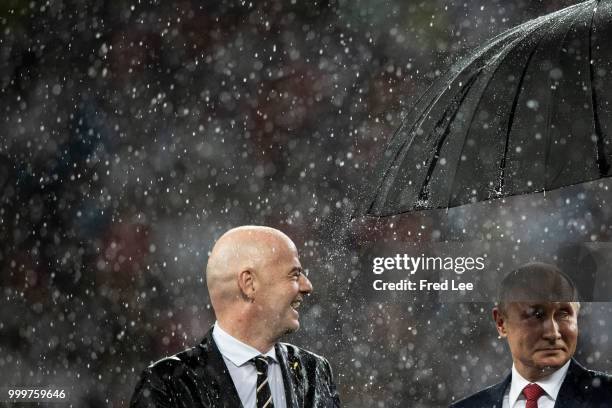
x,y
537,314
256,286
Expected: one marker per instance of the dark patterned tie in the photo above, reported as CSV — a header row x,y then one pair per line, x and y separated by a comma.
x,y
263,393
532,392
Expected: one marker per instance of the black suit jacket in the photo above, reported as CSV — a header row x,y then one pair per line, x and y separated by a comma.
x,y
581,388
198,377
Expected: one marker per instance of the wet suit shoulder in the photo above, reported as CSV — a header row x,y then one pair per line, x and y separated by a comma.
x,y
310,376
491,397
198,378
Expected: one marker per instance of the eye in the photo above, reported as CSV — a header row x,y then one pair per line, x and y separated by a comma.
x,y
536,313
564,314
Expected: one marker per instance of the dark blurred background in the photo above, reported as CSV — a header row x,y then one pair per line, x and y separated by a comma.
x,y
132,134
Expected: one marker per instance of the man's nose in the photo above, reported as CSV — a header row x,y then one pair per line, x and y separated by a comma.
x,y
305,285
551,330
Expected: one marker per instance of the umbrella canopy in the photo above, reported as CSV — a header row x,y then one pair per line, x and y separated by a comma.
x,y
529,111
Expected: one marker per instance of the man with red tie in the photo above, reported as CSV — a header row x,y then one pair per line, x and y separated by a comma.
x,y
537,314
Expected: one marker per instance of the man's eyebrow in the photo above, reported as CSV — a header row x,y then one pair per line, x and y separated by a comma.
x,y
296,269
565,304
536,305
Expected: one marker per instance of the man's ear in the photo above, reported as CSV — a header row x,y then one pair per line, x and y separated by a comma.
x,y
500,322
246,284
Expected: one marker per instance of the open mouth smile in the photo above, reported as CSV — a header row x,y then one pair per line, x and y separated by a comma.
x,y
296,304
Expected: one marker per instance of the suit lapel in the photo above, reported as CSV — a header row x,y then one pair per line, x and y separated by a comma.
x,y
497,392
292,377
569,395
217,377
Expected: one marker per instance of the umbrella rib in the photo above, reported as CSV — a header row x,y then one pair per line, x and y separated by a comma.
x,y
549,121
401,145
423,192
602,162
531,30
386,169
502,164
553,180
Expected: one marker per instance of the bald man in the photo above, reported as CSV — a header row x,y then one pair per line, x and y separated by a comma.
x,y
256,286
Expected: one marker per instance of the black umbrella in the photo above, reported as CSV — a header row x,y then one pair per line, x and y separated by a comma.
x,y
529,111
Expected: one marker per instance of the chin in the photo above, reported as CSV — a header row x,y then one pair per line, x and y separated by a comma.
x,y
290,330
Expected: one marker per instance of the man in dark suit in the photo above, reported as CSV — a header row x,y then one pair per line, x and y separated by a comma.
x,y
256,285
537,314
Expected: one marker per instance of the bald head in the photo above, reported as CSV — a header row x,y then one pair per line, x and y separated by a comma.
x,y
256,285
241,248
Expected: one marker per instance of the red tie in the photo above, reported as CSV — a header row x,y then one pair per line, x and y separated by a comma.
x,y
532,392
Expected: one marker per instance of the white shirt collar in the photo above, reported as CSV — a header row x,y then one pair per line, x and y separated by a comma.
x,y
236,351
551,384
